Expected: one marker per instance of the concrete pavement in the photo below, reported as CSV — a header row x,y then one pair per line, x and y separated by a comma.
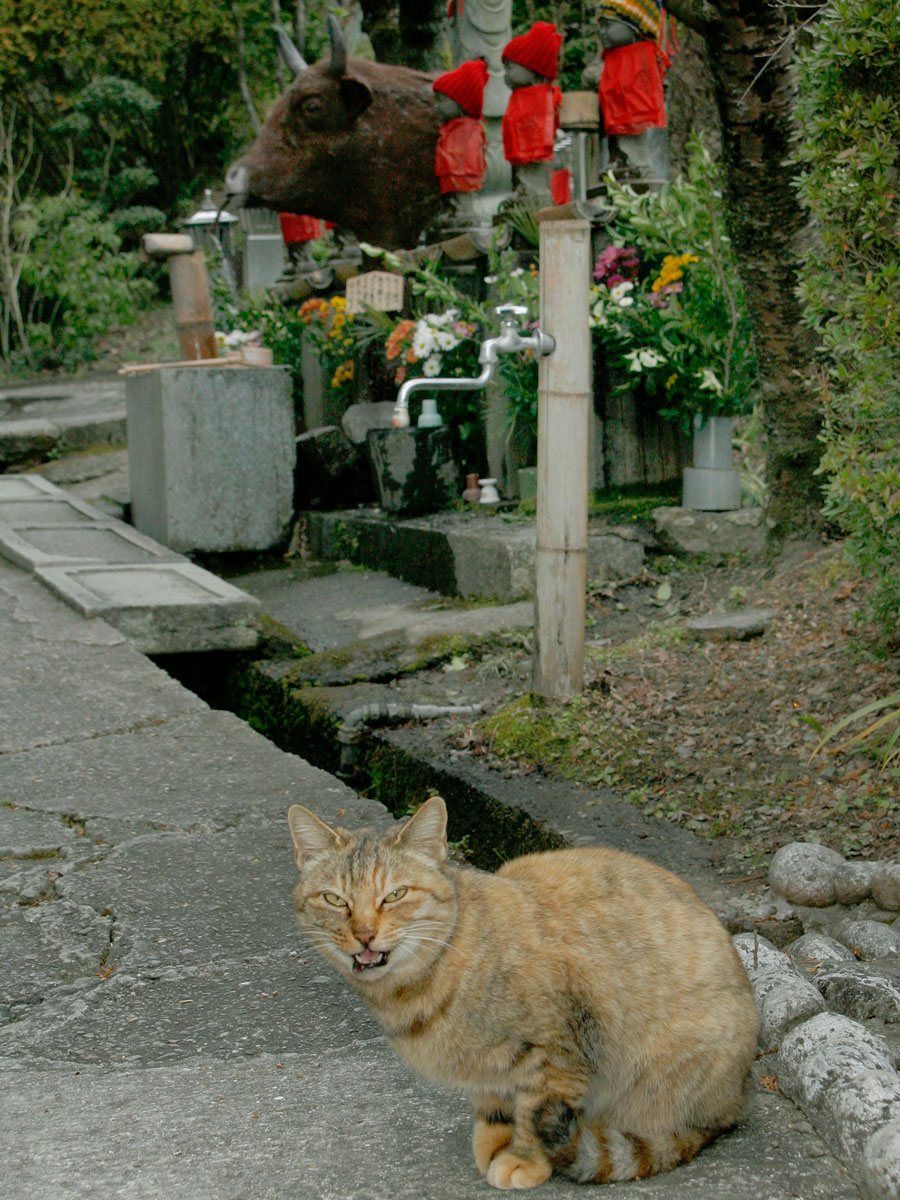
x,y
164,1030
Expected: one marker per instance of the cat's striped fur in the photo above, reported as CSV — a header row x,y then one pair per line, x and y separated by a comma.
x,y
587,1002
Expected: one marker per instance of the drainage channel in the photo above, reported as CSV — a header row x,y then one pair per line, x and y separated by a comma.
x,y
307,721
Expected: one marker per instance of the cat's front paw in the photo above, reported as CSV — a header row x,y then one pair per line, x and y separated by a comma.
x,y
488,1139
508,1170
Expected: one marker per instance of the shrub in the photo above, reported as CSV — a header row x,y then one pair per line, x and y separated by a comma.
x,y
850,119
76,283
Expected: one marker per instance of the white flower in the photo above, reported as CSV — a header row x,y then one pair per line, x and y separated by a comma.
x,y
620,292
446,340
517,272
423,342
432,365
491,278
639,359
708,381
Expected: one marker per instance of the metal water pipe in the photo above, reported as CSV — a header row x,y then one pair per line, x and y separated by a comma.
x,y
510,340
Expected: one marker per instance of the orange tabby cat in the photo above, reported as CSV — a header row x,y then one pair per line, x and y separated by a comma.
x,y
590,1006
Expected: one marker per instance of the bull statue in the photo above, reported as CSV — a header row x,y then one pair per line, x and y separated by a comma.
x,y
350,141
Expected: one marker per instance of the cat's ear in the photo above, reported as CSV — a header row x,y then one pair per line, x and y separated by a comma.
x,y
426,830
309,834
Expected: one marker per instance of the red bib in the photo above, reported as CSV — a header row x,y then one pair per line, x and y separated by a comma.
x,y
631,89
460,161
530,123
296,229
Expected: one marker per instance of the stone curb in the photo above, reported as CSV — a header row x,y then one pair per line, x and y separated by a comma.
x,y
840,1073
35,439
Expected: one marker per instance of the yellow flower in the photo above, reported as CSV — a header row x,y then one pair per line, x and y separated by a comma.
x,y
339,303
671,381
343,373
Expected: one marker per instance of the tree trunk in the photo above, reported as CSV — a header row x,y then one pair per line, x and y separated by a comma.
x,y
750,50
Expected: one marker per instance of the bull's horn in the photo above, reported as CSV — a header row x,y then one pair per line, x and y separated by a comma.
x,y
291,56
338,65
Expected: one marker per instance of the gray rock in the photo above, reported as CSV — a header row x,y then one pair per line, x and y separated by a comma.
x,y
880,1163
806,873
360,418
886,887
859,990
809,952
733,626
854,882
756,953
826,1051
860,1107
690,532
869,939
784,998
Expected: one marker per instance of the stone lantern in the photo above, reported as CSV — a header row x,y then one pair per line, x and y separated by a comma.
x,y
213,233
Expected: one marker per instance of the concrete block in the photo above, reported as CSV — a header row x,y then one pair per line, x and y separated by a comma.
x,y
711,490
25,487
162,608
91,542
211,456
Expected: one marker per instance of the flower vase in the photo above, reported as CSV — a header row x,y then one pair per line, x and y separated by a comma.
x,y
489,493
472,492
712,484
430,418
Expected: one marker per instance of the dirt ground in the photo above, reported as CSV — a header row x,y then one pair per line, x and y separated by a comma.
x,y
716,736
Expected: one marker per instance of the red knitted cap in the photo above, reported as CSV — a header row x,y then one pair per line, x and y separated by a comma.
x,y
537,50
465,85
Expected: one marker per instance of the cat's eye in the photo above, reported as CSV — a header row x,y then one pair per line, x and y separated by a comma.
x,y
334,899
396,894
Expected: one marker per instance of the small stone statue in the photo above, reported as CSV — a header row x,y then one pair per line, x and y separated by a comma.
x,y
530,63
460,161
631,86
299,232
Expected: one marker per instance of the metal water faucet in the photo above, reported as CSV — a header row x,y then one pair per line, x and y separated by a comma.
x,y
510,340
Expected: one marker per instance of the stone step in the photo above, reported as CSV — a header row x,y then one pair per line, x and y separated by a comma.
x,y
458,554
162,602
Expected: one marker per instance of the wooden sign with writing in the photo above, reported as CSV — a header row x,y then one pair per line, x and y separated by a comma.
x,y
378,289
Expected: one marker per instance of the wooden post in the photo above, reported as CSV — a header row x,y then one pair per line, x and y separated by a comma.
x,y
193,305
190,292
564,404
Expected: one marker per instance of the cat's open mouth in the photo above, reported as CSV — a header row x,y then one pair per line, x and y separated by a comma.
x,y
366,959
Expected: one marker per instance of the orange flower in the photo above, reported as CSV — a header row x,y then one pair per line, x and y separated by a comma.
x,y
399,375
393,347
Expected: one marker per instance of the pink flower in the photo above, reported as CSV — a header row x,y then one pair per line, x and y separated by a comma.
x,y
621,260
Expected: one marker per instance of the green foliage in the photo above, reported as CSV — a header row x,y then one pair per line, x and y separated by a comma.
x,y
77,283
849,154
876,732
667,306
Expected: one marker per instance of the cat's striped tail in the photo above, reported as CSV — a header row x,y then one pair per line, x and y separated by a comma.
x,y
592,1152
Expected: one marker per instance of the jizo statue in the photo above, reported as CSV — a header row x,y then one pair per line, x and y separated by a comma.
x,y
632,101
460,159
530,65
480,29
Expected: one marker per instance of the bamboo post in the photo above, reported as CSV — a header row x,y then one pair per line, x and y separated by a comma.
x,y
190,292
564,406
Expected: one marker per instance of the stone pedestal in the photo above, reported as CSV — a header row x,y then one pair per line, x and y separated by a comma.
x,y
413,469
211,456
